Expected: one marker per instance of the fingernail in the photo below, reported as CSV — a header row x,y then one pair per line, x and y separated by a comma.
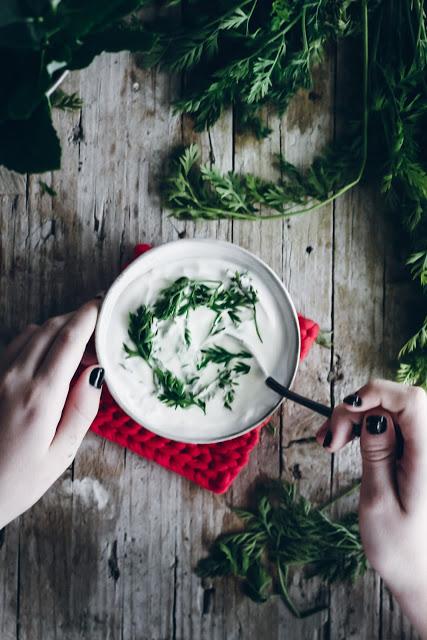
x,y
376,424
353,400
328,438
96,377
356,430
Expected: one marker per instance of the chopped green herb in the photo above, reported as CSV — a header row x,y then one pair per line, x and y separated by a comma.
x,y
141,333
66,101
186,294
219,355
45,188
174,392
176,300
233,299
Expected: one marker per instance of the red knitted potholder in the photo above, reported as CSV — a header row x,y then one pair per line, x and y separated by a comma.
x,y
212,466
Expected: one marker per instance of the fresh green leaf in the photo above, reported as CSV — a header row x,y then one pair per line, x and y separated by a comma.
x,y
32,144
45,188
218,355
66,101
141,333
174,392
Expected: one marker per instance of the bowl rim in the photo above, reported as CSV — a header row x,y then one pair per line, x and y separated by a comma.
x,y
133,266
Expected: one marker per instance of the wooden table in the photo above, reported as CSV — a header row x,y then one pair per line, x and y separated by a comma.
x,y
109,552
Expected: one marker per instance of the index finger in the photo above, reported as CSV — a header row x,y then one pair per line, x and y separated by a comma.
x,y
66,351
407,404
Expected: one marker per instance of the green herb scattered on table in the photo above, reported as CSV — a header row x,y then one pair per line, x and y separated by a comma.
x,y
245,64
285,532
45,188
178,299
66,102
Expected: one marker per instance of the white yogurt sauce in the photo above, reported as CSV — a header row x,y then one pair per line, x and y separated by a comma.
x,y
132,378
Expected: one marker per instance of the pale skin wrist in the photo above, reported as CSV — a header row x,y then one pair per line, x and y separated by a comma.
x,y
413,602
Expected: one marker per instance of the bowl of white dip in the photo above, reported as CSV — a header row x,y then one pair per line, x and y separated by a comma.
x,y
187,335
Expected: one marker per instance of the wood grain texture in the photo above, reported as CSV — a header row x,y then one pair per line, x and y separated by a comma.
x,y
109,552
307,272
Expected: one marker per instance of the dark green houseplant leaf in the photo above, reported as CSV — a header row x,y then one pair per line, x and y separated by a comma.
x,y
30,146
119,37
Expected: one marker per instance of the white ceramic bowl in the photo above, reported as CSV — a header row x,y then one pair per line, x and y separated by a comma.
x,y
199,249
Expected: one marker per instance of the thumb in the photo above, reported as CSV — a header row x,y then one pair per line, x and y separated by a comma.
x,y
79,412
378,448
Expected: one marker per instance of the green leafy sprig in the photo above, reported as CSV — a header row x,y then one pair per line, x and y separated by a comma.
x,y
182,296
195,191
186,294
66,101
141,333
218,355
286,532
228,376
228,381
174,392
247,54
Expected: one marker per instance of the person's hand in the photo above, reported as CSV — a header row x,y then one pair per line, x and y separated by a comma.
x,y
392,421
42,421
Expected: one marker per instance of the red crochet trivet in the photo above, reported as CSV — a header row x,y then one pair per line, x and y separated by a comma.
x,y
212,466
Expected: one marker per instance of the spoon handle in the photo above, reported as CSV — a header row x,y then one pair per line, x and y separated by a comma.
x,y
295,397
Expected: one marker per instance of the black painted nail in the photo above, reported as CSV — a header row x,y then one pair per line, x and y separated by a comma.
x,y
96,377
353,399
376,424
357,428
328,438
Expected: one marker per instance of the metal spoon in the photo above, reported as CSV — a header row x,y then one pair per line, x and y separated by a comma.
x,y
295,397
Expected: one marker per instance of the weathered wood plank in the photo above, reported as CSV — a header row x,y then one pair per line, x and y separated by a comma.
x,y
12,183
45,531
9,569
364,261
358,355
307,272
13,316
244,618
200,611
122,177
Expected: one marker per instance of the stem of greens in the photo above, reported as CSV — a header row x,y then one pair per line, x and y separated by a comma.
x,y
339,496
